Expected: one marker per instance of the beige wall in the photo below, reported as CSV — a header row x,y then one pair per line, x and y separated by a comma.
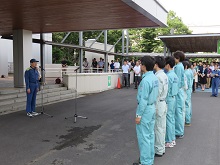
x,y
92,82
97,45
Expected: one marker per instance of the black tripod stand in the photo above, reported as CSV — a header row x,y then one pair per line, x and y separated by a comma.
x,y
76,94
42,97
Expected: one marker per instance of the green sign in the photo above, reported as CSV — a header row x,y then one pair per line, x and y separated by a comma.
x,y
109,81
218,47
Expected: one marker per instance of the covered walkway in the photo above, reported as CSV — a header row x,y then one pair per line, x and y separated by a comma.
x,y
107,137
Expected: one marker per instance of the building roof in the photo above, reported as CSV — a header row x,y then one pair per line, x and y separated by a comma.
x,y
79,15
191,43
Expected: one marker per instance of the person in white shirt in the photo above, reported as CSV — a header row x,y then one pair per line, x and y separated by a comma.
x,y
137,72
125,70
212,66
116,66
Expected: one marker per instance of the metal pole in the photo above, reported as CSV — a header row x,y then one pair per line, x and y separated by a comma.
x,y
169,53
123,46
42,57
96,39
65,37
127,42
105,48
81,52
165,50
115,44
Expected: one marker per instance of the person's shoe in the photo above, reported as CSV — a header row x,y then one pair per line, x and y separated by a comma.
x,y
29,114
179,136
135,88
216,96
157,155
212,96
34,113
174,143
169,145
187,124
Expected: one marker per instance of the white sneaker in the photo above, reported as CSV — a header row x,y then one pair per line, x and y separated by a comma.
x,y
169,145
29,114
34,113
174,143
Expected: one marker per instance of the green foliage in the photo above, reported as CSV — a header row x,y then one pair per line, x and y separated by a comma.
x,y
141,40
71,55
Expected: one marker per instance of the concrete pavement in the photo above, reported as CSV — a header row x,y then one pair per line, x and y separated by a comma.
x,y
107,137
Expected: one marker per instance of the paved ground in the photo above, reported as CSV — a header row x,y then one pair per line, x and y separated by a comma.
x,y
108,137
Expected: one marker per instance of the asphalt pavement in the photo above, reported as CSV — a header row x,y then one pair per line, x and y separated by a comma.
x,y
107,137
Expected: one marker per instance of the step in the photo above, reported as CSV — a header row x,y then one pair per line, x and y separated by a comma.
x,y
22,90
18,95
18,106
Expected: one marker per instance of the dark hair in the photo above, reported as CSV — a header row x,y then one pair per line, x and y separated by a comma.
x,y
170,60
185,63
189,64
148,62
187,59
160,61
179,55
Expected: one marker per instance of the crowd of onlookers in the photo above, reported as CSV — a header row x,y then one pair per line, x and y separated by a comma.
x,y
203,74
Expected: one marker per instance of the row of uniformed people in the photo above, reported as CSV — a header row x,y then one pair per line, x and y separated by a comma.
x,y
161,97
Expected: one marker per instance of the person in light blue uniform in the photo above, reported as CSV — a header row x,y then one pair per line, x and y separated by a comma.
x,y
173,89
188,105
179,118
145,113
32,87
161,107
215,81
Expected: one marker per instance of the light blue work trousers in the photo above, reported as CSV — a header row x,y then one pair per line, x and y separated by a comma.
x,y
179,116
188,104
146,137
170,123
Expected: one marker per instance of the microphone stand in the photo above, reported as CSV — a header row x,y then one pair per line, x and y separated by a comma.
x,y
42,83
76,94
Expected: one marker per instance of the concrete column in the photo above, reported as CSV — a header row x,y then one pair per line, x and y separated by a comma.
x,y
22,53
105,48
5,50
81,52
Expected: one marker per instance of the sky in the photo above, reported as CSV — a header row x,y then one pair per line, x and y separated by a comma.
x,y
196,13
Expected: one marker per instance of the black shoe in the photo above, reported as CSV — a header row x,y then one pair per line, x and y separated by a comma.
x,y
157,155
135,88
180,136
212,96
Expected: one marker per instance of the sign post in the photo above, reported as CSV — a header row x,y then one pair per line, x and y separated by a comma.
x,y
109,81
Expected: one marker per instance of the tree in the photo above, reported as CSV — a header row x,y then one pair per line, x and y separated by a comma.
x,y
141,40
71,55
146,39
